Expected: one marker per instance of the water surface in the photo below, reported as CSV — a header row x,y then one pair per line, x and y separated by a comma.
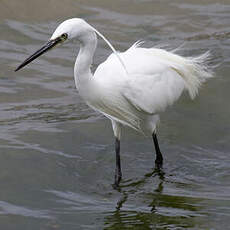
x,y
57,155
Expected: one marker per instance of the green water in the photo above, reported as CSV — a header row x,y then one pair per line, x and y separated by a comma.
x,y
57,155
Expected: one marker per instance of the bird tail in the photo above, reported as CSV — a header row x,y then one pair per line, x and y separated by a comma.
x,y
194,71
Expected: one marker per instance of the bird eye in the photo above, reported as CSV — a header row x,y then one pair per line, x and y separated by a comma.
x,y
64,36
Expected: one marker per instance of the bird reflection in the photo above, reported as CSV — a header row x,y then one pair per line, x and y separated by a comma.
x,y
119,218
142,181
155,209
155,201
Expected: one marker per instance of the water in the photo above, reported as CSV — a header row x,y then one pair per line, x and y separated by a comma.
x,y
57,155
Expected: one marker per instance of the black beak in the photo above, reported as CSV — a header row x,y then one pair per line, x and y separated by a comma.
x,y
49,45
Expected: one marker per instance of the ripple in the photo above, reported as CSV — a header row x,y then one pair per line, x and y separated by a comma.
x,y
57,155
8,208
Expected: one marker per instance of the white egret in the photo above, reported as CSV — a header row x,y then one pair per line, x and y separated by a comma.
x,y
130,88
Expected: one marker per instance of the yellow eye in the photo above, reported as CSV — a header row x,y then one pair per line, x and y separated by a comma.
x,y
64,36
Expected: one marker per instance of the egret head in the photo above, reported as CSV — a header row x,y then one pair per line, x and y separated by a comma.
x,y
75,28
72,28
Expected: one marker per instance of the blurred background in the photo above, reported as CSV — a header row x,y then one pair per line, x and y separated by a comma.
x,y
57,155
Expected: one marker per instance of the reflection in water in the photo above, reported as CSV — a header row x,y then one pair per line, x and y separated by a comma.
x,y
121,219
163,212
56,156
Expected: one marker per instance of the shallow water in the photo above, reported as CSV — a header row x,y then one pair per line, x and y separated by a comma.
x,y
57,155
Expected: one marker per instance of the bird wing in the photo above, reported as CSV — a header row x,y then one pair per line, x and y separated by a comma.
x,y
155,78
151,83
154,92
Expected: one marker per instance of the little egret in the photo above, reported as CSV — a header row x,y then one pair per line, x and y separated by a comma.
x,y
130,88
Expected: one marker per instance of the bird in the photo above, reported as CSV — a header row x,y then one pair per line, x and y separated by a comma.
x,y
131,88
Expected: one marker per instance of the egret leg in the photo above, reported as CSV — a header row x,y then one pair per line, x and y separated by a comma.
x,y
159,157
118,174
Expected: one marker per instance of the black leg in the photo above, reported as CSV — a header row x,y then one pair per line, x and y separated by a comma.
x,y
118,163
159,158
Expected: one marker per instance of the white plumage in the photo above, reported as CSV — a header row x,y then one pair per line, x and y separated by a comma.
x,y
155,79
133,87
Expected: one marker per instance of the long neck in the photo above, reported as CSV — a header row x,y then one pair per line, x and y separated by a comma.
x,y
82,71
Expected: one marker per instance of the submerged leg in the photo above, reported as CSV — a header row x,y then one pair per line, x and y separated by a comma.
x,y
118,173
159,158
